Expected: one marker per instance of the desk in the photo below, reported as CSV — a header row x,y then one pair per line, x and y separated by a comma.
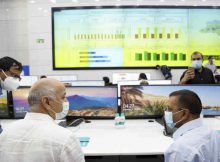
x,y
139,140
138,137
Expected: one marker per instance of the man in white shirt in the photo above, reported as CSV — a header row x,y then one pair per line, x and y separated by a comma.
x,y
210,65
37,138
193,142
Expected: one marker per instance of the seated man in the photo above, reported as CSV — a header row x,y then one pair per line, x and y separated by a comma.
x,y
197,74
37,138
107,81
143,79
193,142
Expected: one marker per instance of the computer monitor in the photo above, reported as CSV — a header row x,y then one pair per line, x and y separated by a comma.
x,y
63,78
116,77
4,106
141,101
88,83
20,103
159,82
92,102
28,80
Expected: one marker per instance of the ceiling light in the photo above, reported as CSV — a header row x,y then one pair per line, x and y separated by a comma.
x,y
32,1
53,1
75,1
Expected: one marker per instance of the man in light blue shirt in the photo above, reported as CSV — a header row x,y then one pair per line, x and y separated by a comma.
x,y
193,142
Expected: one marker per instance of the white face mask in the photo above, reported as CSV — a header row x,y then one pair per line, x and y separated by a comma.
x,y
10,83
197,64
63,113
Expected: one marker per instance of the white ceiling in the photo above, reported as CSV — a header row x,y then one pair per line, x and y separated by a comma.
x,y
131,2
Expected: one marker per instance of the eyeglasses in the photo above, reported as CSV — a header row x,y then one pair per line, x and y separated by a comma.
x,y
196,59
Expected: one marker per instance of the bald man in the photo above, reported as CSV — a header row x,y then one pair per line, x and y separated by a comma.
x,y
37,138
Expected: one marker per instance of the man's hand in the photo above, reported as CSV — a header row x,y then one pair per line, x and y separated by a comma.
x,y
190,74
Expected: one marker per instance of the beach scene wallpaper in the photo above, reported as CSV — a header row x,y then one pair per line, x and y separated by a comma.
x,y
153,100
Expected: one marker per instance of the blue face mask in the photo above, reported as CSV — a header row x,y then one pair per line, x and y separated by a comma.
x,y
168,116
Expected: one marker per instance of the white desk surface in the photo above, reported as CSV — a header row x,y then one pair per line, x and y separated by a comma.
x,y
138,137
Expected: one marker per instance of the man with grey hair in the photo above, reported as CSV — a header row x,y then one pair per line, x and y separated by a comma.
x,y
37,138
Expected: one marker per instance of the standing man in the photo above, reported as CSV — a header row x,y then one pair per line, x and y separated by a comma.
x,y
37,137
10,70
197,74
193,142
210,65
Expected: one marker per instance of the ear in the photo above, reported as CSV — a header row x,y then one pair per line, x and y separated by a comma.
x,y
45,101
186,115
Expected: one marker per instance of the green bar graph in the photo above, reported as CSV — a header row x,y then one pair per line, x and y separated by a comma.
x,y
155,32
165,56
173,56
147,56
138,56
156,57
182,56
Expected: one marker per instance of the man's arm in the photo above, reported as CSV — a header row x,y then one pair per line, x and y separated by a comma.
x,y
187,75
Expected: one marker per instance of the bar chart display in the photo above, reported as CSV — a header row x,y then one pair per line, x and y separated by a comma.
x,y
85,38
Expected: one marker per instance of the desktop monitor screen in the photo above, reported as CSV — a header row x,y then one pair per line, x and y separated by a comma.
x,y
20,103
92,102
150,101
88,83
4,111
28,80
133,36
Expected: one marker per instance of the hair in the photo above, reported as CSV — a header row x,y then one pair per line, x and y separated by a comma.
x,y
7,62
43,76
35,95
106,79
142,76
210,57
197,53
188,99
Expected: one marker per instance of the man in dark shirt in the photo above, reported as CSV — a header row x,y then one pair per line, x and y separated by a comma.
x,y
197,74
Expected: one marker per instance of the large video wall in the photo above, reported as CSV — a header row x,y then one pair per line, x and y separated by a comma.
x,y
129,37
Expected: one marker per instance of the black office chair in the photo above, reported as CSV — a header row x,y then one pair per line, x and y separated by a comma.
x,y
217,78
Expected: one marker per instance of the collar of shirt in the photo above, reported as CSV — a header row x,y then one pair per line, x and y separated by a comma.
x,y
187,127
38,116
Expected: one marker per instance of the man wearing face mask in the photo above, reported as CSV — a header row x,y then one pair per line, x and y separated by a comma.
x,y
197,74
193,142
37,137
10,70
